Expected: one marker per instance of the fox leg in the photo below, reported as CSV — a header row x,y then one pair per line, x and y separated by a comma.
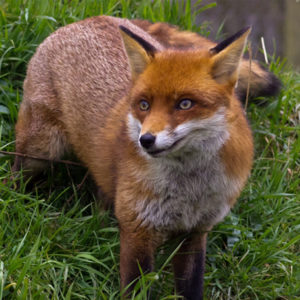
x,y
188,266
137,251
38,134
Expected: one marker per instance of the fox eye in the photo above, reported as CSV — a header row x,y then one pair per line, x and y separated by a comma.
x,y
144,105
185,104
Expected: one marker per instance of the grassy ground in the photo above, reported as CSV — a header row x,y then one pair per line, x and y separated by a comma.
x,y
54,243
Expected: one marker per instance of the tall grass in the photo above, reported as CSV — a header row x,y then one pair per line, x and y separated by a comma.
x,y
55,243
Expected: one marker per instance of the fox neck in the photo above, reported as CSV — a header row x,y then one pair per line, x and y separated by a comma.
x,y
183,181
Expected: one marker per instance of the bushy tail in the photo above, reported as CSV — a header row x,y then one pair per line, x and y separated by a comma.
x,y
260,81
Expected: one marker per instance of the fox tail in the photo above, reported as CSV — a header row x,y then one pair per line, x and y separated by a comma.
x,y
256,81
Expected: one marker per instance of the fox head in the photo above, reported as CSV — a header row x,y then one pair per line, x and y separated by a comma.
x,y
180,99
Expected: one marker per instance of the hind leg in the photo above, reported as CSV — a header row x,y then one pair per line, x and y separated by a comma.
x,y
38,134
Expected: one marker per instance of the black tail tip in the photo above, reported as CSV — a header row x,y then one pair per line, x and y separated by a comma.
x,y
273,87
270,85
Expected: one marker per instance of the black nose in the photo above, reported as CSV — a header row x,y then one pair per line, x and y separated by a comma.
x,y
147,140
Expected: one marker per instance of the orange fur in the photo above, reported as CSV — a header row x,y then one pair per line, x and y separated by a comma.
x,y
78,94
260,81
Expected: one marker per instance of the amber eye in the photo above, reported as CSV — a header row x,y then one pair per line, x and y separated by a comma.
x,y
144,105
185,104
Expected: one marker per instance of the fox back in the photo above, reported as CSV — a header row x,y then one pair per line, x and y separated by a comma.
x,y
159,128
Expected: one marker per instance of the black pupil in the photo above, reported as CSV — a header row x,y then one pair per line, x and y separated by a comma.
x,y
185,103
144,105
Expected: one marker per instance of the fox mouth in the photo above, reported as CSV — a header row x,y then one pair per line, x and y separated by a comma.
x,y
158,151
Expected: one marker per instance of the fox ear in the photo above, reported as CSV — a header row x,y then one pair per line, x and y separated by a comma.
x,y
139,51
226,57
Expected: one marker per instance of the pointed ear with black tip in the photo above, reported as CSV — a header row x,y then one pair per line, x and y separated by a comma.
x,y
226,57
139,51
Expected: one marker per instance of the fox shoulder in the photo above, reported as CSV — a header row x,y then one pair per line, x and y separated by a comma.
x,y
170,36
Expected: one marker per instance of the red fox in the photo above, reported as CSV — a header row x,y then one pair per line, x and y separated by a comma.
x,y
159,127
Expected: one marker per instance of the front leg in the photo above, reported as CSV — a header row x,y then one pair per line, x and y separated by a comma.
x,y
137,251
189,265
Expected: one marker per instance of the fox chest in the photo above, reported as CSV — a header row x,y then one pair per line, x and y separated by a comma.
x,y
188,197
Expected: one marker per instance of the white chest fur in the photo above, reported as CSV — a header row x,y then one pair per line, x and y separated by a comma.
x,y
187,195
189,185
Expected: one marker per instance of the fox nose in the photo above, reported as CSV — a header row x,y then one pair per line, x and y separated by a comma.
x,y
147,140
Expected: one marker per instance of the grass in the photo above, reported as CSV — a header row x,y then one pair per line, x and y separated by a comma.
x,y
55,243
